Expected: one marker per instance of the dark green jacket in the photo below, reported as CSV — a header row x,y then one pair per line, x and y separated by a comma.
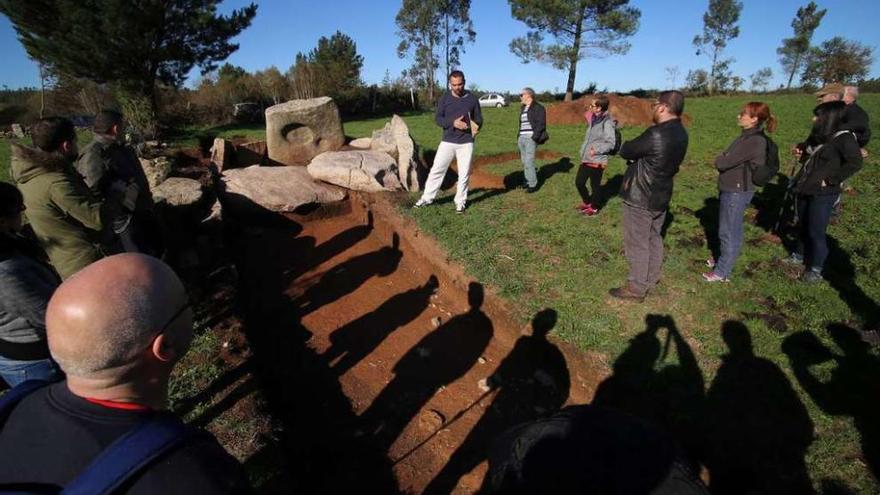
x,y
60,208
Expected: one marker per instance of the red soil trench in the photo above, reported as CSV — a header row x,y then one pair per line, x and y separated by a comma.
x,y
406,339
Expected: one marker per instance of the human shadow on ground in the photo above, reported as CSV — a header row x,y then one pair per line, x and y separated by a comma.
x,y
438,359
757,430
708,217
750,428
774,207
840,272
184,406
645,385
357,339
346,277
331,247
852,389
475,196
609,190
532,381
587,449
515,180
667,222
315,449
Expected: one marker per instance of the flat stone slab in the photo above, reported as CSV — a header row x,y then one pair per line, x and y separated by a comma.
x,y
178,191
368,171
279,189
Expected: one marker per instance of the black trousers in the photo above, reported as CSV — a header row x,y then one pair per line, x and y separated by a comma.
x,y
594,175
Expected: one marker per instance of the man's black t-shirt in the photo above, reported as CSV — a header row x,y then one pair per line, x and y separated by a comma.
x,y
52,435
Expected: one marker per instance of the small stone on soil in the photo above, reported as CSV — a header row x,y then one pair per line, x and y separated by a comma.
x,y
483,385
436,321
481,360
432,419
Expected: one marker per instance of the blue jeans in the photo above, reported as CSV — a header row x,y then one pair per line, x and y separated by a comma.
x,y
814,214
15,372
730,229
527,149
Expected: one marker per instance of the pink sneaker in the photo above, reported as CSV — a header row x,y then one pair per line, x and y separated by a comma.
x,y
589,211
714,277
583,206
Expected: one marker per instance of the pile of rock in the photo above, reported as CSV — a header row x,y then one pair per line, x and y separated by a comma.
x,y
310,131
303,162
255,177
270,174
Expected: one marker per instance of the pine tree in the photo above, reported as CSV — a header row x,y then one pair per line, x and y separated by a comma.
x,y
579,28
794,50
134,44
719,27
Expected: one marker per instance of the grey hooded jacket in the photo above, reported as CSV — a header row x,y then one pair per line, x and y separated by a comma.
x,y
600,136
26,285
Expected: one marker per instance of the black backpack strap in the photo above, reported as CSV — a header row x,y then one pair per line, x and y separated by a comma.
x,y
128,455
11,398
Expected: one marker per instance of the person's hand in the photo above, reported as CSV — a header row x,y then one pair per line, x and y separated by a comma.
x,y
460,124
864,152
796,151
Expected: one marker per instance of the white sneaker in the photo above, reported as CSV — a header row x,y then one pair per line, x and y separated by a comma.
x,y
421,203
460,208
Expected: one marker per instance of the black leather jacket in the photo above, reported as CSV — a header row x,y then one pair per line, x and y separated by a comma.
x,y
653,159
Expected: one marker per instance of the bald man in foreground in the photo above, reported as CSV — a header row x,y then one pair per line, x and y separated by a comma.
x,y
116,328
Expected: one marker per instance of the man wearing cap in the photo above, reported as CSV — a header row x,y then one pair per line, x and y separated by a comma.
x,y
830,92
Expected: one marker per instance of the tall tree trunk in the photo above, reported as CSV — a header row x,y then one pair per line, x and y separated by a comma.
x,y
446,16
42,90
575,55
711,87
794,68
429,70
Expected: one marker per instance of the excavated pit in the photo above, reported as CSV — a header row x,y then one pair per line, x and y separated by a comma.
x,y
375,349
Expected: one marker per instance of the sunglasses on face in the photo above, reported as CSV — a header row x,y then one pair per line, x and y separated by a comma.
x,y
173,318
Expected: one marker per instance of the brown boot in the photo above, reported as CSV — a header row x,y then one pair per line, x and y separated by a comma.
x,y
626,292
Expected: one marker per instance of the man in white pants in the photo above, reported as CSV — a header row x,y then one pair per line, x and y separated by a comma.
x,y
458,113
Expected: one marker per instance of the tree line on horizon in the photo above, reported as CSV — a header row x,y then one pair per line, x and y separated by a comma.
x,y
148,50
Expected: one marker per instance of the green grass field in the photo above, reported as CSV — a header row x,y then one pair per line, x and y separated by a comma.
x,y
537,252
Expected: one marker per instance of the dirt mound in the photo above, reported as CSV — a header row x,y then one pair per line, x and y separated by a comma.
x,y
511,156
627,110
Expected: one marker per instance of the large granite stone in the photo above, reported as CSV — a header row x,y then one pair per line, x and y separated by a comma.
x,y
279,189
395,140
156,169
299,130
178,192
369,171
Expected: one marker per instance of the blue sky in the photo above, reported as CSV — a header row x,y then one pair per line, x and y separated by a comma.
x,y
283,28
